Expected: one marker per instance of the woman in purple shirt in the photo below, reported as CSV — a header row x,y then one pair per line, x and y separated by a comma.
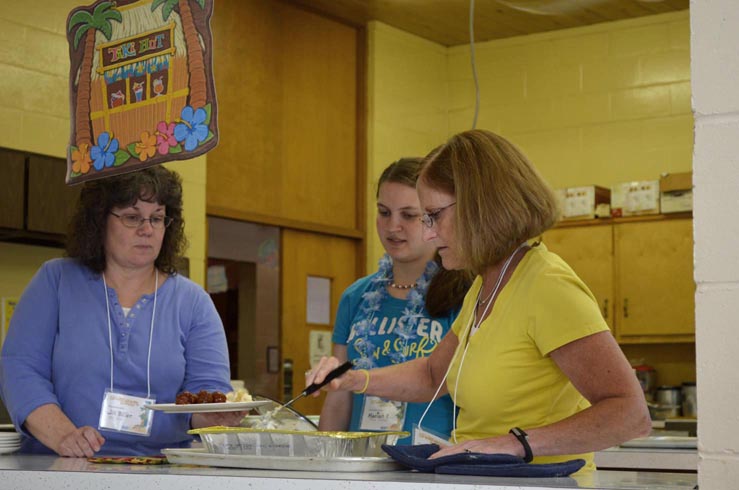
x,y
100,334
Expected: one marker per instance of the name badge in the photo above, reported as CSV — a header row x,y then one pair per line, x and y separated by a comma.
x,y
126,413
423,436
382,415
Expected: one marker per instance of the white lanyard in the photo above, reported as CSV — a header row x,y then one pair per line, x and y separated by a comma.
x,y
465,336
151,332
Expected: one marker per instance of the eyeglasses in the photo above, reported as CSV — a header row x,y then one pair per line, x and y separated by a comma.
x,y
135,220
429,219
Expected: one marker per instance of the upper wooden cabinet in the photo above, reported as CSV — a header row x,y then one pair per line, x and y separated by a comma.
x,y
51,202
35,204
11,197
289,91
654,273
640,271
589,251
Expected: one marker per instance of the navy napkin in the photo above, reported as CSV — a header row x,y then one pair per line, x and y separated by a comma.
x,y
478,464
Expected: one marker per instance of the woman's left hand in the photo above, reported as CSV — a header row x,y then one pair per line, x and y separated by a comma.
x,y
506,444
228,419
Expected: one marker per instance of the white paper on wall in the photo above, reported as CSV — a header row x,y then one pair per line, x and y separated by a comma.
x,y
319,301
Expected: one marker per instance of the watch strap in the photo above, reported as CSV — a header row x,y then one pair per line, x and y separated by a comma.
x,y
523,438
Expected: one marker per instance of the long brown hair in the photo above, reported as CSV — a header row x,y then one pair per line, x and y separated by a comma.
x,y
88,226
501,199
447,288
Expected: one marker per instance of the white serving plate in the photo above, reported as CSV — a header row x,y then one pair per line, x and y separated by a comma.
x,y
10,449
206,407
663,442
291,463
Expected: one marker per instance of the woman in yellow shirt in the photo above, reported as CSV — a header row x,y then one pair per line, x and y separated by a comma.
x,y
529,361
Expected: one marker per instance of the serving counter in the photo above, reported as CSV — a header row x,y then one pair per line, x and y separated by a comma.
x,y
19,472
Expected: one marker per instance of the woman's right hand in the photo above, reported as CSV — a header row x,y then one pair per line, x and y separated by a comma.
x,y
54,429
80,443
351,380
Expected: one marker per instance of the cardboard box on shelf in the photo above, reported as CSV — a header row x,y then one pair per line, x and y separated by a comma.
x,y
581,202
635,198
676,192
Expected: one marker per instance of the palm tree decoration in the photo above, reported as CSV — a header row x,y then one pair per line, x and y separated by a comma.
x,y
196,65
87,25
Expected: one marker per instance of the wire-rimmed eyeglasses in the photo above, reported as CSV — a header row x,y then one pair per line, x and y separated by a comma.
x,y
429,219
158,221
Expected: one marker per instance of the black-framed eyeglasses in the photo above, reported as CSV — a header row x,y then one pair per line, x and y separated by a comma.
x,y
429,219
135,220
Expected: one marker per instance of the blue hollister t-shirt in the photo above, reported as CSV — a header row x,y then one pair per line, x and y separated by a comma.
x,y
386,344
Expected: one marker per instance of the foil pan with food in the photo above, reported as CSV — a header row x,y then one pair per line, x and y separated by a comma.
x,y
282,442
274,415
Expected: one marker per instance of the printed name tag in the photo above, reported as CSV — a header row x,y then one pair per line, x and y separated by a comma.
x,y
422,436
126,413
379,414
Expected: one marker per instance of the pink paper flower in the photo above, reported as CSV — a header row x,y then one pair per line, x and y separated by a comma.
x,y
165,137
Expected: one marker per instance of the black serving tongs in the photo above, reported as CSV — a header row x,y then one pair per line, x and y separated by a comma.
x,y
317,386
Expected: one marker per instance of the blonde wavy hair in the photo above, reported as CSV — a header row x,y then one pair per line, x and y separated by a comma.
x,y
502,200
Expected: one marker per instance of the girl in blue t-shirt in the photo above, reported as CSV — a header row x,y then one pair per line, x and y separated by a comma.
x,y
399,313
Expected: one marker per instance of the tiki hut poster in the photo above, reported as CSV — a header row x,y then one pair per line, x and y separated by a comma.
x,y
141,85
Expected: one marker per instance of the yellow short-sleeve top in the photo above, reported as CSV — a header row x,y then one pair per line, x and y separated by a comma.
x,y
507,378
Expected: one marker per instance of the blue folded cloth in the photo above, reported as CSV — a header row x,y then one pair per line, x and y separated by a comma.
x,y
479,464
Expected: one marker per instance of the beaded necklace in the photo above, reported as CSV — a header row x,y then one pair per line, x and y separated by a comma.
x,y
372,300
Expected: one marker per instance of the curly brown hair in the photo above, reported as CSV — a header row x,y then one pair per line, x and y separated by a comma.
x,y
98,197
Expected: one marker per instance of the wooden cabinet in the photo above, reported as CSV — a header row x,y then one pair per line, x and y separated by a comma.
x,y
35,204
589,251
50,201
291,112
11,198
640,271
654,276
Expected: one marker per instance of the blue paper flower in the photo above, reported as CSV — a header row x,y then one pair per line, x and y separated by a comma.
x,y
103,155
191,130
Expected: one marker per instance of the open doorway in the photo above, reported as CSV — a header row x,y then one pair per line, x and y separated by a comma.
x,y
243,281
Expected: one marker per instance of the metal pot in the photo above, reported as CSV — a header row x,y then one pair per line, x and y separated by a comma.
x,y
690,400
668,395
662,412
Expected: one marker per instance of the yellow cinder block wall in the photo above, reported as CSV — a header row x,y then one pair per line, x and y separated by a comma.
x,y
406,109
34,117
600,104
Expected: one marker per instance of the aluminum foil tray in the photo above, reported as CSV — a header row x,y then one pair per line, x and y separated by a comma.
x,y
276,442
294,463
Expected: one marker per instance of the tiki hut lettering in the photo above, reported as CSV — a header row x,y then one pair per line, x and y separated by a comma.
x,y
141,85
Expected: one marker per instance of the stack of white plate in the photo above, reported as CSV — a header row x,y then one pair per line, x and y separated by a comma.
x,y
10,440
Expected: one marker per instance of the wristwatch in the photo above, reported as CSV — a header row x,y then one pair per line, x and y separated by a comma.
x,y
523,438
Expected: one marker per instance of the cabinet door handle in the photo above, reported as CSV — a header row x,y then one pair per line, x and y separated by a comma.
x,y
605,309
626,307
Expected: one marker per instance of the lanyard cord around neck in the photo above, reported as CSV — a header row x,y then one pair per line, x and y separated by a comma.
x,y
151,333
473,325
467,329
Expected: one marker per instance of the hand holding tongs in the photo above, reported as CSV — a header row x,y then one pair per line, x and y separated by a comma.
x,y
335,373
